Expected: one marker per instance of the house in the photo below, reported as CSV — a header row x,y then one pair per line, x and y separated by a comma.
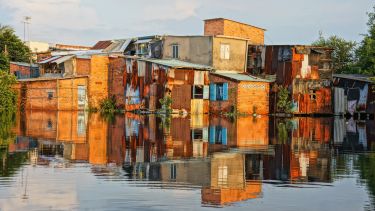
x,y
148,80
306,71
67,83
354,94
241,93
23,70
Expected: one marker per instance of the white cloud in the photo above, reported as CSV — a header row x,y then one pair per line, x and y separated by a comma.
x,y
51,15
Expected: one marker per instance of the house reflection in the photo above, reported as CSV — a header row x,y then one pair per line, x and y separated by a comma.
x,y
228,159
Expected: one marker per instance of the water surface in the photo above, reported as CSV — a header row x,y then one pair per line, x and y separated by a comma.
x,y
81,161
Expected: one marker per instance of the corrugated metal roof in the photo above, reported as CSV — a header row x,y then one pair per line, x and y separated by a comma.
x,y
143,41
62,59
241,77
357,77
24,64
49,59
102,45
178,64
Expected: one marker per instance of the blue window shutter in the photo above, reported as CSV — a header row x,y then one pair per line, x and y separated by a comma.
x,y
225,91
213,92
224,136
212,135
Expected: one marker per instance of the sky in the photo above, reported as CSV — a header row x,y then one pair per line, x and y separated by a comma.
x,y
84,22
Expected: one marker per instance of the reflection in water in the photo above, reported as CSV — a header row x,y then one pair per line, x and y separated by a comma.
x,y
228,160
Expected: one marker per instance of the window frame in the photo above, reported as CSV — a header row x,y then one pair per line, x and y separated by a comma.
x,y
175,51
224,51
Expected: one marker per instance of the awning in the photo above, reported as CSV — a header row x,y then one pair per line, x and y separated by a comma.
x,y
49,60
62,59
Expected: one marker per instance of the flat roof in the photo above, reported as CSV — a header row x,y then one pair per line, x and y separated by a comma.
x,y
212,19
178,64
241,77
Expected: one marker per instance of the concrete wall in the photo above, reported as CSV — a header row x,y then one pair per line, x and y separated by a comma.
x,y
231,28
195,49
237,56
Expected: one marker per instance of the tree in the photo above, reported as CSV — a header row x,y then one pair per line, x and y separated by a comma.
x,y
11,48
366,51
8,96
284,104
343,55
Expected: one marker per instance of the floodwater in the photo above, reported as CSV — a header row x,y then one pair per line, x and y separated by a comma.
x,y
81,161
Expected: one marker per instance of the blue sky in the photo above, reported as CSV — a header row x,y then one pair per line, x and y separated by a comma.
x,y
87,21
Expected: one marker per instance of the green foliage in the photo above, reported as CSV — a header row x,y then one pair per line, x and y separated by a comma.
x,y
284,104
108,105
366,50
283,128
7,121
166,104
11,47
8,96
4,62
343,55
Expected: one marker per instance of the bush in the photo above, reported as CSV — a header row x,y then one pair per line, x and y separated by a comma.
x,y
108,105
166,104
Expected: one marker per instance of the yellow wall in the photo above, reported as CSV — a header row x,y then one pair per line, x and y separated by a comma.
x,y
237,57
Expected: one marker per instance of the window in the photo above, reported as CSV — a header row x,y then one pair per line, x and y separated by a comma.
x,y
197,92
49,124
218,135
219,91
50,95
313,95
173,171
222,176
224,51
81,124
175,51
81,95
197,134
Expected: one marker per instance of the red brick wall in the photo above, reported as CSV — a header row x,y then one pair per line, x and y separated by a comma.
x,y
217,107
116,85
23,69
83,66
234,29
37,95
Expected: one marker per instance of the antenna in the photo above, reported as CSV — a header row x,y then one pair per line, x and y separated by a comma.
x,y
26,22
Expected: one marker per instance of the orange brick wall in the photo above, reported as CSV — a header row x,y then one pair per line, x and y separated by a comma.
x,y
253,96
234,29
37,95
68,93
98,80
